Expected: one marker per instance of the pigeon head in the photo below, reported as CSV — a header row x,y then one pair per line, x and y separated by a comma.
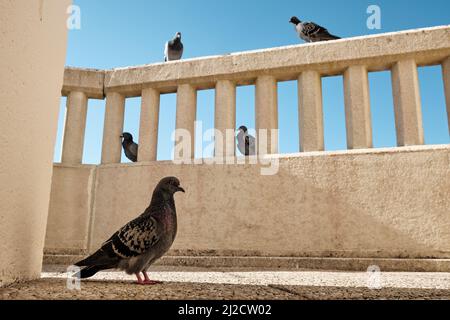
x,y
169,186
126,136
243,129
178,35
295,20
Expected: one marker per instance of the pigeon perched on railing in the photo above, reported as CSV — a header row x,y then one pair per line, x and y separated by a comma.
x,y
311,32
130,148
174,49
245,142
138,244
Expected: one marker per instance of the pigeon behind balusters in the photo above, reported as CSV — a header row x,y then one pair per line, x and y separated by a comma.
x,y
311,32
246,143
141,242
130,148
174,49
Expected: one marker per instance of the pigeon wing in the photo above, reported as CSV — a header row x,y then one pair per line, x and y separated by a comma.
x,y
317,33
311,29
135,238
250,145
134,151
166,52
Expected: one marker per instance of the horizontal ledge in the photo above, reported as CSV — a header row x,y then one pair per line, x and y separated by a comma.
x,y
89,81
315,154
429,46
378,52
288,263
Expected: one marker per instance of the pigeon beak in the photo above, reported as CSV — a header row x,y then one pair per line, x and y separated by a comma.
x,y
121,136
181,189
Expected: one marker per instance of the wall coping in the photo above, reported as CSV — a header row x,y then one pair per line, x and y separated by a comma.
x,y
427,46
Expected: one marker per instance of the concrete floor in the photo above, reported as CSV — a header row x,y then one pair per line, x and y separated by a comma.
x,y
198,283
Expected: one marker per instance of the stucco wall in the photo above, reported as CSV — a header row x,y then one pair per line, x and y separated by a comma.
x,y
369,203
70,209
32,55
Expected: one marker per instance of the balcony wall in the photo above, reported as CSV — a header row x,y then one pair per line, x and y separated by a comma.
x,y
355,203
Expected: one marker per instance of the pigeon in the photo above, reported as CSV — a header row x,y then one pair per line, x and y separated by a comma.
x,y
246,143
174,48
311,32
142,241
129,146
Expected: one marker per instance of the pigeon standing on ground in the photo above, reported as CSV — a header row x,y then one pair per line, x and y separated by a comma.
x,y
246,143
129,146
174,49
141,242
311,32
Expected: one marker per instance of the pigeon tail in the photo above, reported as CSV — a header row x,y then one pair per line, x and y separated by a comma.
x,y
330,37
87,272
100,257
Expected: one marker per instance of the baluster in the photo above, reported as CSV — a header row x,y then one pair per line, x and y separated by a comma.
x,y
186,115
357,108
266,109
310,111
407,105
148,129
74,129
446,77
114,114
225,117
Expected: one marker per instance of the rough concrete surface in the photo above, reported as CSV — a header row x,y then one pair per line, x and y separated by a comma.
x,y
198,283
32,50
371,203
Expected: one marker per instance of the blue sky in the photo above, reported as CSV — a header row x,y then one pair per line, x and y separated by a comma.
x,y
116,33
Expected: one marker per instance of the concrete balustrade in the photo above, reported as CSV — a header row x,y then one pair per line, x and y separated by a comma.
x,y
113,128
75,125
225,117
148,128
186,115
407,104
326,204
400,52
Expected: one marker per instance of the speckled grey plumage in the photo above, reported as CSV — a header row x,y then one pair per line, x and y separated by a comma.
x,y
142,241
311,32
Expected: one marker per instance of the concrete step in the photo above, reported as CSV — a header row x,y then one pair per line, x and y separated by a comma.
x,y
289,263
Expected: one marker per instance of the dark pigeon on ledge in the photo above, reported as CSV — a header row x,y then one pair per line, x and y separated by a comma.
x,y
311,32
138,244
130,148
245,142
174,49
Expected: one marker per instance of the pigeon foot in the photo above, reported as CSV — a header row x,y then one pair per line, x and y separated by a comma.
x,y
150,282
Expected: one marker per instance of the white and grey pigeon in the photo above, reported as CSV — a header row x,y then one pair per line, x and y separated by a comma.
x,y
130,148
311,32
245,142
174,49
138,244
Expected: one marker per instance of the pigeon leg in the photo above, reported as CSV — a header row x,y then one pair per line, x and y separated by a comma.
x,y
139,279
147,279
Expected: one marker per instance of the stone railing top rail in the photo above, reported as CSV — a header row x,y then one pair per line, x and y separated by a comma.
x,y
429,46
